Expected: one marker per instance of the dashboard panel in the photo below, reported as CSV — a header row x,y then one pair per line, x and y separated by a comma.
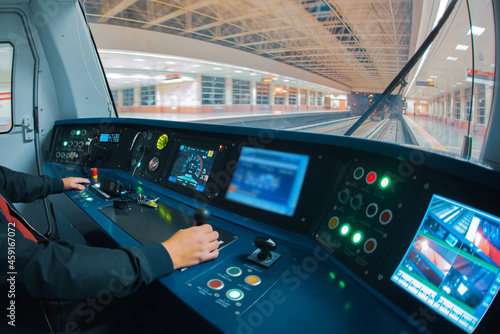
x,y
343,211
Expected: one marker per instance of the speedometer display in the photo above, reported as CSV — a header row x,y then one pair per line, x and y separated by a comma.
x,y
192,167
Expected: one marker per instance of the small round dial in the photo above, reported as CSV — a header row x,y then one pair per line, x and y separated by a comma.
x,y
154,163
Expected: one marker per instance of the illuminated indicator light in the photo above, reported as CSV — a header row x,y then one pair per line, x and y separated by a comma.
x,y
345,229
332,275
333,223
139,189
65,143
357,237
233,271
252,280
139,164
162,142
78,132
371,177
385,182
89,199
234,294
342,284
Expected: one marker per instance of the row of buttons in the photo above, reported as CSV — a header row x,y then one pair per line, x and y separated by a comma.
x,y
371,177
234,294
357,236
69,155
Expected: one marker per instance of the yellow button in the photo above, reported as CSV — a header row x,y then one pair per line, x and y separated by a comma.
x,y
333,223
252,280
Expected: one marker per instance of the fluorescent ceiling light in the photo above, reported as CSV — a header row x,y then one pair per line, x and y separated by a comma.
x,y
451,58
476,31
461,47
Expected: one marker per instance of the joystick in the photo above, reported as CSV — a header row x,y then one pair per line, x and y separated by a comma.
x,y
264,255
201,216
266,246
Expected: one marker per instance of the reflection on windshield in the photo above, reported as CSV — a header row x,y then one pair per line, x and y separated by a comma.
x,y
304,66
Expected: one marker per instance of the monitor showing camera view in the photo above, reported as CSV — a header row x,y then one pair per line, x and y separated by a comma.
x,y
453,262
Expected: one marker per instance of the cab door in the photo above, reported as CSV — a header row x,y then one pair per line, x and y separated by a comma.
x,y
18,109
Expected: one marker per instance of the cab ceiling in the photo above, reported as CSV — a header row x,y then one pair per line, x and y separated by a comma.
x,y
359,43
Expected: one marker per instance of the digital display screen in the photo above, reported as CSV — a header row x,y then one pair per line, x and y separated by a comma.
x,y
453,262
192,167
109,138
268,180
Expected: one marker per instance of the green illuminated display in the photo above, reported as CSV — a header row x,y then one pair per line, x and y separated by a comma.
x,y
385,182
345,229
357,237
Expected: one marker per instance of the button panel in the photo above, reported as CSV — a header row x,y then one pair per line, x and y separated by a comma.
x,y
235,284
361,219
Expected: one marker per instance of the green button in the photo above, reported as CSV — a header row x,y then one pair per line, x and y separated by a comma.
x,y
358,173
385,182
357,237
234,294
233,271
345,229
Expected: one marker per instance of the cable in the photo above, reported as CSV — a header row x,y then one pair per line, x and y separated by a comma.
x,y
140,160
46,317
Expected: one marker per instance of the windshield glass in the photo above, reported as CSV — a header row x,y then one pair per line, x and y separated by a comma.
x,y
313,66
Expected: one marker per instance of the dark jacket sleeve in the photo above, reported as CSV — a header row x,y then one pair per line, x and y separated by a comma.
x,y
26,188
59,271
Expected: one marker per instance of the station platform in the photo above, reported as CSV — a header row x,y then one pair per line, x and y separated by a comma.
x,y
444,137
221,115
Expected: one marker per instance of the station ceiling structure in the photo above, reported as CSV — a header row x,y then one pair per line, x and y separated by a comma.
x,y
362,44
336,39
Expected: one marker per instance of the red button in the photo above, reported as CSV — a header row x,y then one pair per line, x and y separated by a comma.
x,y
385,217
371,177
370,245
215,284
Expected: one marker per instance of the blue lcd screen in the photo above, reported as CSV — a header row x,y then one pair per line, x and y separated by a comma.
x,y
109,138
268,180
192,167
453,263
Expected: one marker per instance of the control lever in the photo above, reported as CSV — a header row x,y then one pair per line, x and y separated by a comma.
x,y
201,216
264,255
266,246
